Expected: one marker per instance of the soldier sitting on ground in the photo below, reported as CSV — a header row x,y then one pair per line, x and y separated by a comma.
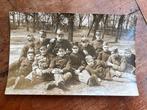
x,y
93,72
104,54
21,67
29,44
86,48
43,40
76,61
116,63
60,70
59,41
40,70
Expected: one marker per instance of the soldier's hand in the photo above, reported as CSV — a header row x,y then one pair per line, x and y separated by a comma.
x,y
81,68
77,71
85,52
115,67
55,71
44,71
60,70
38,72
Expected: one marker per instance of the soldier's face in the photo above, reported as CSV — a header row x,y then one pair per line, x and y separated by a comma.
x,y
30,56
61,52
42,39
59,37
105,49
43,50
98,37
42,36
90,62
29,38
84,43
75,49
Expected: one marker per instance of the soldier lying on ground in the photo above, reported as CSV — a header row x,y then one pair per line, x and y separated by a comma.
x,y
116,63
41,71
60,70
21,67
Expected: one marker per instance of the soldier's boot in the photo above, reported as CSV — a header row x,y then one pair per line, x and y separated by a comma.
x,y
94,81
11,81
51,85
62,86
67,76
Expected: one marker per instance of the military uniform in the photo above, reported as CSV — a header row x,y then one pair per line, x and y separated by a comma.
x,y
38,44
90,50
103,56
76,62
42,64
40,72
98,69
19,68
61,72
117,65
62,43
98,45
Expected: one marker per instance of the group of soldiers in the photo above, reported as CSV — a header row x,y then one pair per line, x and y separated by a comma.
x,y
59,62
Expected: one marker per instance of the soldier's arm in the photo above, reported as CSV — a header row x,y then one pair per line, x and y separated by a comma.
x,y
67,66
99,56
52,63
90,70
109,61
35,64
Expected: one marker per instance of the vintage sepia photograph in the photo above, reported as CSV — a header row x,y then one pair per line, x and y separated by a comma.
x,y
72,54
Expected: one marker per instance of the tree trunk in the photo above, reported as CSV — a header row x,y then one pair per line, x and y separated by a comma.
x,y
27,21
33,27
120,23
97,20
70,27
91,25
105,23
